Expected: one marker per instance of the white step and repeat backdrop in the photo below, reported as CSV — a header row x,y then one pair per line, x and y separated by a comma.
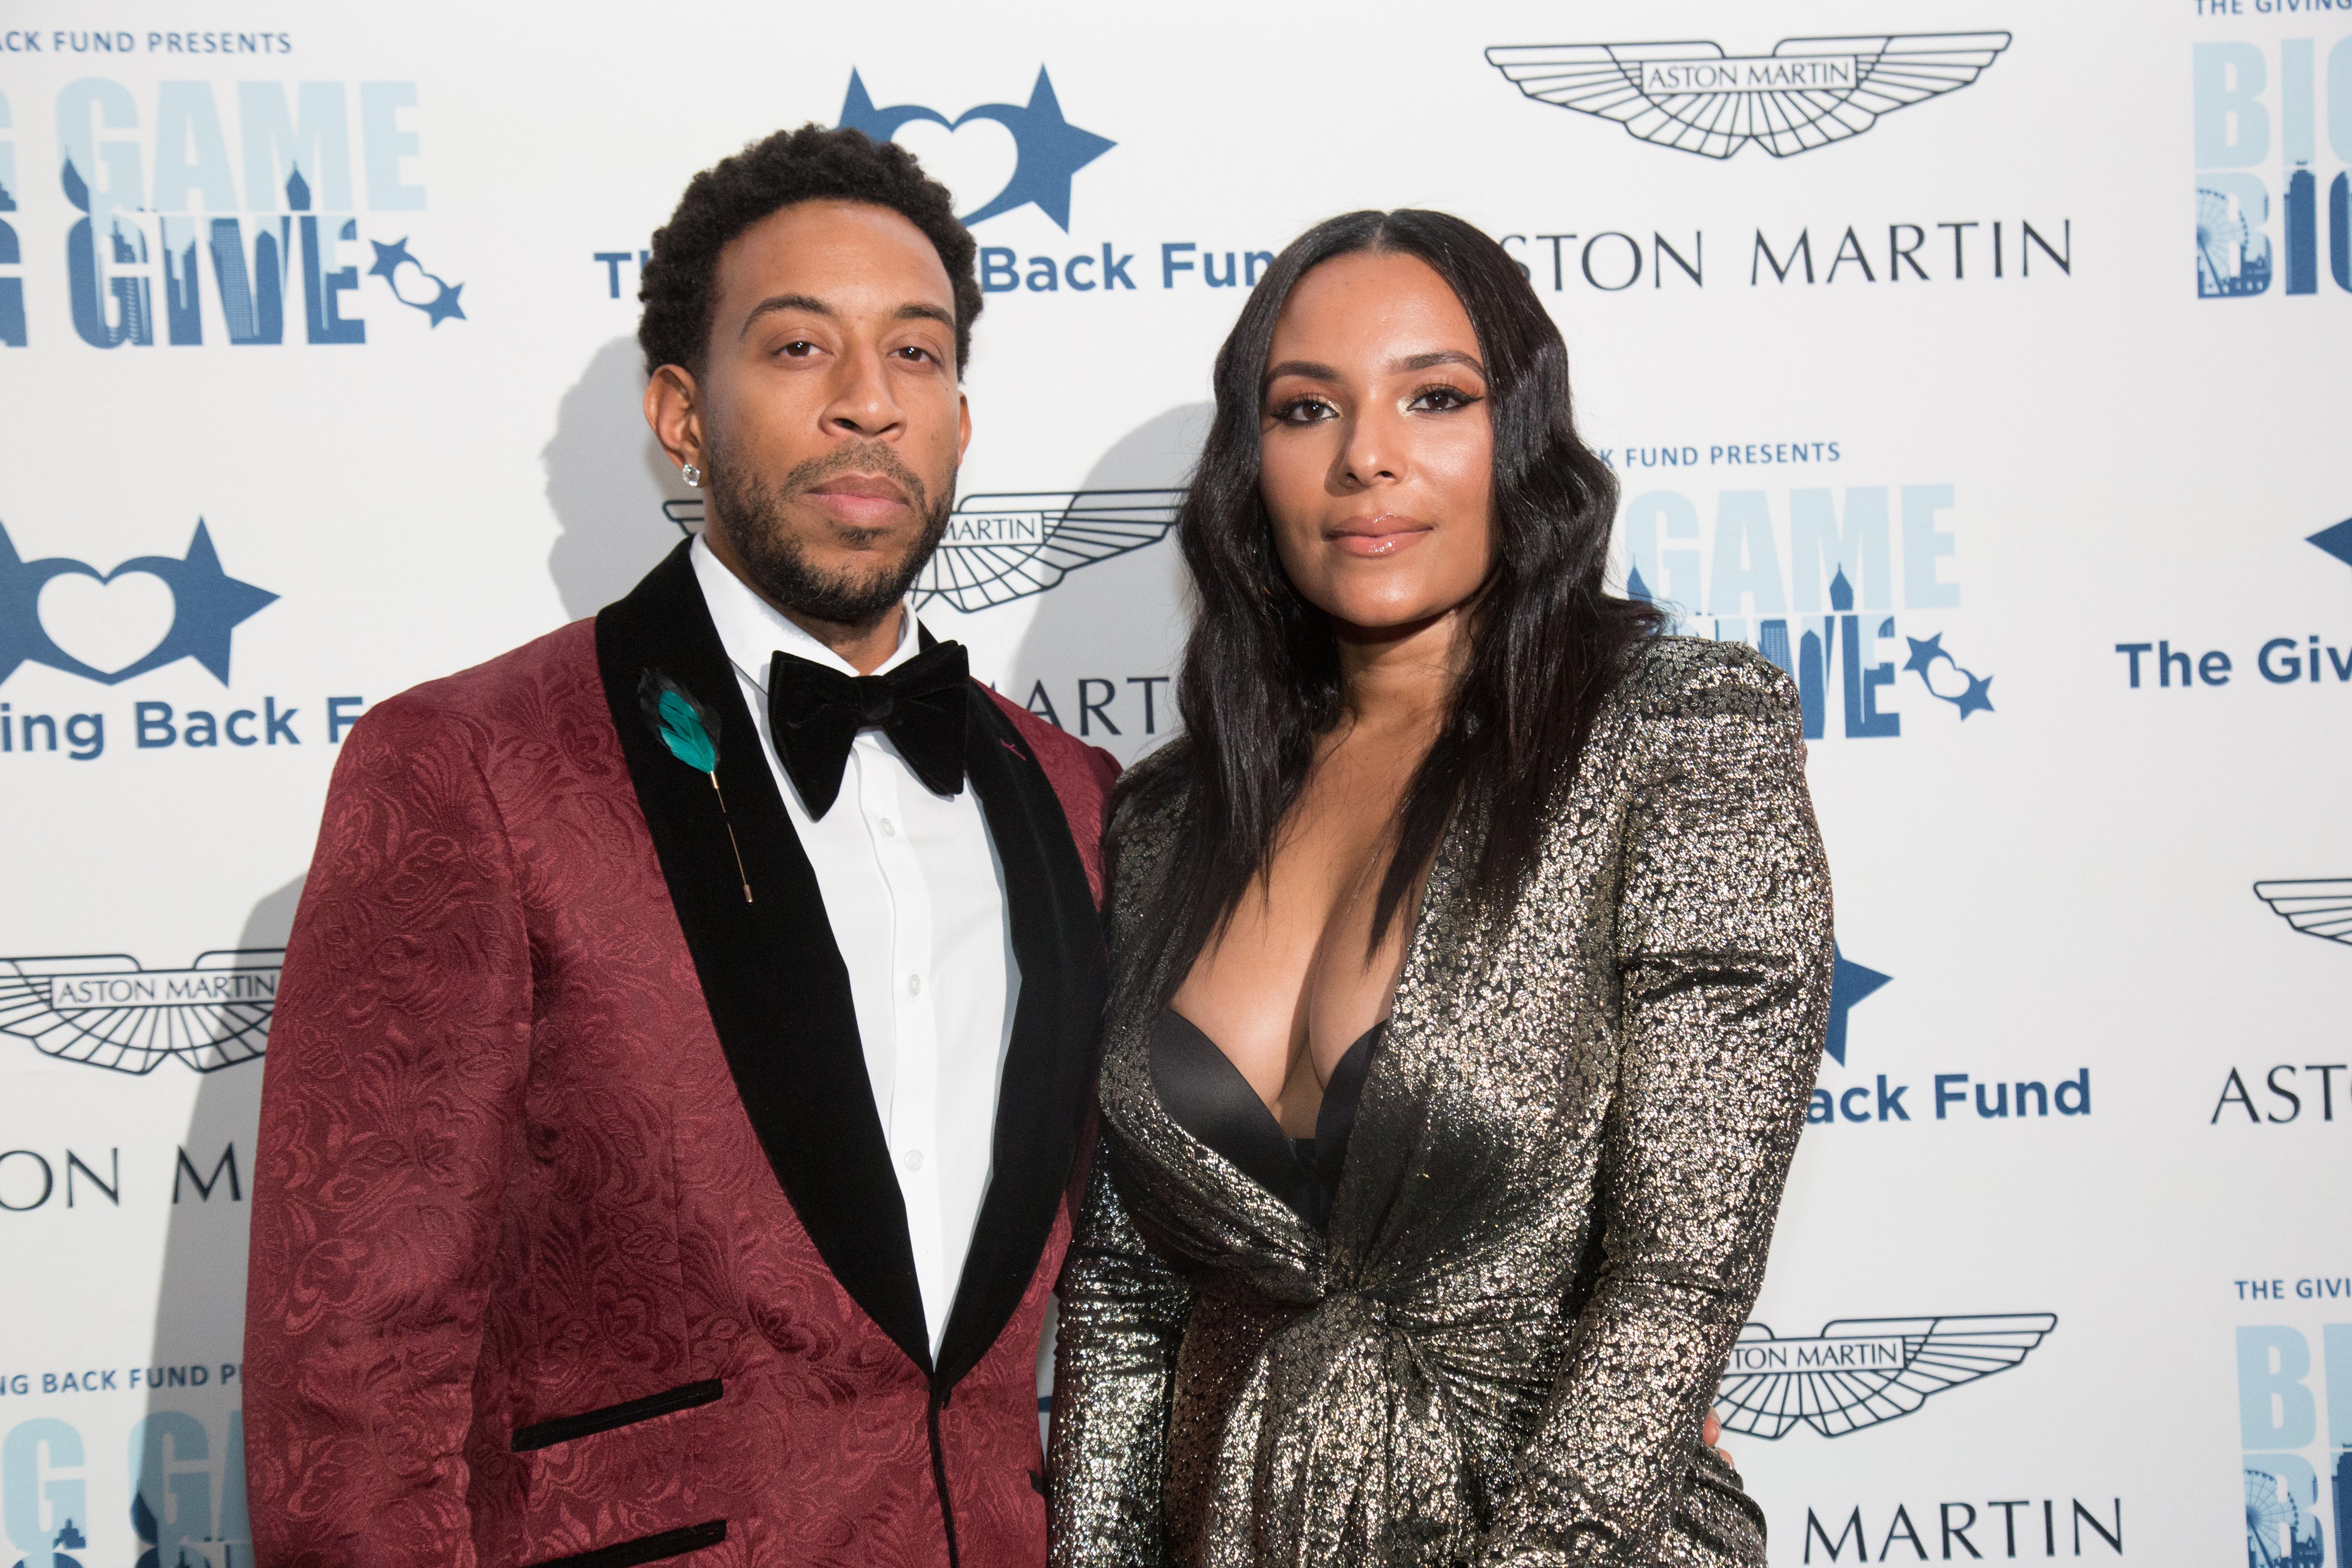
x,y
1984,363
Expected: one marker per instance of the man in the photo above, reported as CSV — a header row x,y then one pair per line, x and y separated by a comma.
x,y
678,1078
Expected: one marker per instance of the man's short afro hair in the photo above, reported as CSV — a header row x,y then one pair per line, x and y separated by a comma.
x,y
679,285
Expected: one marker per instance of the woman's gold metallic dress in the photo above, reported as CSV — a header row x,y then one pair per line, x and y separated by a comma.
x,y
1555,1209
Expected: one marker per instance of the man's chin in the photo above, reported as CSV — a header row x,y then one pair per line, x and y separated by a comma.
x,y
802,557
851,588
865,574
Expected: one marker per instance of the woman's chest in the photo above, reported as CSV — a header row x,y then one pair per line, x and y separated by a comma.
x,y
1307,957
1481,1111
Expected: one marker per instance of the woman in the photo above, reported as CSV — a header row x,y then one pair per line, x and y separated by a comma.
x,y
1471,962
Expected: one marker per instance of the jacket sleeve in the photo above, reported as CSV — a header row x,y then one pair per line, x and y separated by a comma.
x,y
1725,955
1123,1310
391,1115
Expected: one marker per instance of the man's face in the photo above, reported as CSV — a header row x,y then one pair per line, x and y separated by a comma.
x,y
828,417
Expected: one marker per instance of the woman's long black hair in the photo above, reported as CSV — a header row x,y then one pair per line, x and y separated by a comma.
x,y
1260,680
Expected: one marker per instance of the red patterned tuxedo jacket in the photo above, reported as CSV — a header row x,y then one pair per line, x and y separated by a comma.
x,y
574,1236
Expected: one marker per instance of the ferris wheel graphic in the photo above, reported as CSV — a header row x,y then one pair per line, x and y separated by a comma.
x,y
2278,1535
2232,257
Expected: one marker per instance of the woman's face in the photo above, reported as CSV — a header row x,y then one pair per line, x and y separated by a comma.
x,y
1379,454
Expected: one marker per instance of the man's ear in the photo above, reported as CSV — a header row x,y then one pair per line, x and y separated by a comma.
x,y
674,412
963,426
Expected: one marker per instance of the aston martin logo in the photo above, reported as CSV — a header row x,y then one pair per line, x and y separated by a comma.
x,y
2322,909
1806,93
1858,1372
1000,548
105,1010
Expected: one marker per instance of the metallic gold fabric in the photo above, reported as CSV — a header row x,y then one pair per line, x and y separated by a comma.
x,y
1554,1217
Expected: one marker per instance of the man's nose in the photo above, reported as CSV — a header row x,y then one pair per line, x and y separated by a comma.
x,y
863,402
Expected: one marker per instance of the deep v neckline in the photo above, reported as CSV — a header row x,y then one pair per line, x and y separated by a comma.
x,y
1207,1100
1207,1096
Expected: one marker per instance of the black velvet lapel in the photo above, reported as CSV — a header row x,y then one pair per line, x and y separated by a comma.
x,y
1041,1102
772,975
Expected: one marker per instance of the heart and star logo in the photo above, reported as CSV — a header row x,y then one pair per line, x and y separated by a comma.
x,y
107,626
968,157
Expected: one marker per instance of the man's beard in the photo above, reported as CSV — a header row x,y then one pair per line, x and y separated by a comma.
x,y
750,510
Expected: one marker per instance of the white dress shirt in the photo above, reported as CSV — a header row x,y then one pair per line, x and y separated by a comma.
x,y
914,893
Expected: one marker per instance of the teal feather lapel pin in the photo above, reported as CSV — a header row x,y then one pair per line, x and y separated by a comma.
x,y
690,731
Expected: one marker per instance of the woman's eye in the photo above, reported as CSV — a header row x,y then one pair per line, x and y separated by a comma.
x,y
1441,399
1305,411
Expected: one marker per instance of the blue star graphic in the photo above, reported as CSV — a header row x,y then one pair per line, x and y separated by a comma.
x,y
858,113
2337,541
1048,150
443,305
388,258
207,604
22,640
1925,653
210,604
1849,983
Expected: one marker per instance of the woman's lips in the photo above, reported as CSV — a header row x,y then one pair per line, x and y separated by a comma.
x,y
1377,536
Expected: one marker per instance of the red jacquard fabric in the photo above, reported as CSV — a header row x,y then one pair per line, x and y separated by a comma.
x,y
505,1178
1082,776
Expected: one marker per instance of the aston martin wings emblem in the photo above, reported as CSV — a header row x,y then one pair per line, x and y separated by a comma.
x,y
1858,1372
2320,908
1000,548
107,1011
1806,93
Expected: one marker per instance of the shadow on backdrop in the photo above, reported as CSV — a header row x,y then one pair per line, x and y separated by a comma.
x,y
606,481
1123,619
188,1497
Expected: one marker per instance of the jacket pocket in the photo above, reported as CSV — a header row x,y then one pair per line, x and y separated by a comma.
x,y
565,1429
646,1548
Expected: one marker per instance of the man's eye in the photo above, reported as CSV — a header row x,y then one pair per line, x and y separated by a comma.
x,y
915,352
799,348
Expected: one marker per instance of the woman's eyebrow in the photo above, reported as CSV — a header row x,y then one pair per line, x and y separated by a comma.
x,y
1308,368
1443,356
1313,369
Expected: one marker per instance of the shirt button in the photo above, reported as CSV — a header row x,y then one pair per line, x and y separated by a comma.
x,y
914,985
912,1159
890,828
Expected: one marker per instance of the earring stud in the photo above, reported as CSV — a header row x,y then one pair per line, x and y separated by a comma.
x,y
691,475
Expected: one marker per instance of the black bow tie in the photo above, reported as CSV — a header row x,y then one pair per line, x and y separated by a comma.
x,y
815,713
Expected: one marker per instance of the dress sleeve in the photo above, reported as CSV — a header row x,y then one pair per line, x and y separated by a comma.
x,y
1123,1310
391,1115
1724,954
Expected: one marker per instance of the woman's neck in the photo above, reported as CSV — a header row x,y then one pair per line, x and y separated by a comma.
x,y
1398,680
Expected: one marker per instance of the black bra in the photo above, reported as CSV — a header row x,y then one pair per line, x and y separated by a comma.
x,y
1208,1097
